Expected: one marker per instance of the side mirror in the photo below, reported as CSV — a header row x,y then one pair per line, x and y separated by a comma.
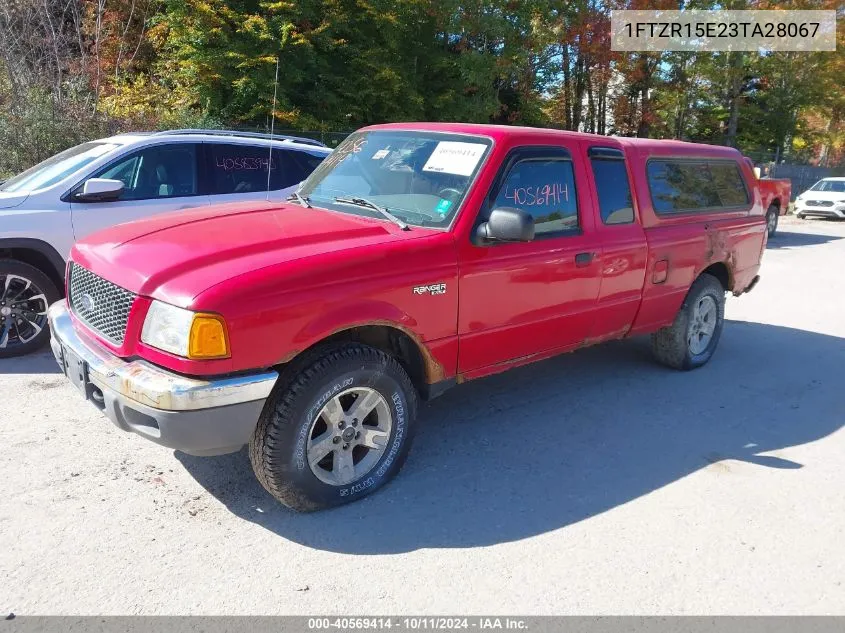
x,y
507,225
100,190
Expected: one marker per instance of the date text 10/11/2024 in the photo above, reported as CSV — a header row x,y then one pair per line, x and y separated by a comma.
x,y
417,623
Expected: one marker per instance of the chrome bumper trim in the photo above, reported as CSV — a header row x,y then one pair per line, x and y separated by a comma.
x,y
150,385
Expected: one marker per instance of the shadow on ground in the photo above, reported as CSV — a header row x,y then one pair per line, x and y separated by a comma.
x,y
40,362
794,239
545,446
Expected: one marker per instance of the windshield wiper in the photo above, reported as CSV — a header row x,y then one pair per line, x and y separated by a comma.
x,y
303,200
369,204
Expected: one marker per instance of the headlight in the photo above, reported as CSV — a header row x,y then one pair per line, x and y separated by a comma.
x,y
195,335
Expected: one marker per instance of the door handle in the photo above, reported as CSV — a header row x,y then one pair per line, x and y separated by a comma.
x,y
583,259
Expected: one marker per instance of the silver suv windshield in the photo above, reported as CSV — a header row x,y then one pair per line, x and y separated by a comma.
x,y
419,177
58,167
836,186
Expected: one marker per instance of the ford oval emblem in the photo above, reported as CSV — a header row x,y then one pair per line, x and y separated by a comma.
x,y
87,302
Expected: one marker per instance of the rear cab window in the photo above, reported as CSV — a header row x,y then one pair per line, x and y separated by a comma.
x,y
688,185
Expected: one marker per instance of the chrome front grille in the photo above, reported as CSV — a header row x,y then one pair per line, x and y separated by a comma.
x,y
99,303
819,203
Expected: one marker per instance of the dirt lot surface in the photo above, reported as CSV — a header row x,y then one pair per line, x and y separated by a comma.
x,y
595,483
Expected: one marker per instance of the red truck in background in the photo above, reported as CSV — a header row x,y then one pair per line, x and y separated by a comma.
x,y
775,195
417,256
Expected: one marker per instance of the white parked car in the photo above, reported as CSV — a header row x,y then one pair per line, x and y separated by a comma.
x,y
45,209
824,199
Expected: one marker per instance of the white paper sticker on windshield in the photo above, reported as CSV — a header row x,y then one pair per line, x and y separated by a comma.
x,y
380,154
452,157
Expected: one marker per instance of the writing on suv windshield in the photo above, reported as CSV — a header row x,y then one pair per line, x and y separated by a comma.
x,y
421,178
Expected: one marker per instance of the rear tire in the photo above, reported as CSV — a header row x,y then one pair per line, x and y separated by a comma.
x,y
25,295
772,216
335,431
692,338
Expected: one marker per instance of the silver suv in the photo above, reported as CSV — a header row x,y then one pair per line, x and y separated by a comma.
x,y
44,210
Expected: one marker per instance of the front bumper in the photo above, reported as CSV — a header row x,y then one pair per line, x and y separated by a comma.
x,y
837,211
196,416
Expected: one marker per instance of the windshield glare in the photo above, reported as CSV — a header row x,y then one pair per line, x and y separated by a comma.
x,y
420,177
836,186
58,167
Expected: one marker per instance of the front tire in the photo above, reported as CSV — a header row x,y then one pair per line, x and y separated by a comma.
x,y
336,431
692,338
772,216
25,295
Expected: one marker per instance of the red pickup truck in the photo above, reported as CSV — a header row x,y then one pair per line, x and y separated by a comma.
x,y
417,256
775,195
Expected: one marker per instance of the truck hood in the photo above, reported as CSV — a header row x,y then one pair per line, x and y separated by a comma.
x,y
176,256
11,199
823,195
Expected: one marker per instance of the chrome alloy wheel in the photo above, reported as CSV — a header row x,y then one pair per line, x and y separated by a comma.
x,y
349,436
23,310
704,318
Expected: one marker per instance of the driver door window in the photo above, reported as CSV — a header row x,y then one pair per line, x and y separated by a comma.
x,y
162,171
545,189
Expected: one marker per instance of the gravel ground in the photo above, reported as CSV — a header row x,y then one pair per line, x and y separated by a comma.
x,y
594,483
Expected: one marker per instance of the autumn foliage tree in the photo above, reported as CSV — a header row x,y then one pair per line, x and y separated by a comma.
x,y
74,69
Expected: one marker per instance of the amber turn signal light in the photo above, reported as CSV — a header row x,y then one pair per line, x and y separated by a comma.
x,y
208,338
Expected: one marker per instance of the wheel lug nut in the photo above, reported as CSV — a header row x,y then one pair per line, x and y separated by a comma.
x,y
357,435
335,440
340,424
355,422
345,446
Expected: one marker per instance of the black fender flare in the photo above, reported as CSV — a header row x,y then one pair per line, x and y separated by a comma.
x,y
39,246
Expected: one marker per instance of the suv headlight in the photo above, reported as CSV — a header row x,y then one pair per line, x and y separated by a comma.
x,y
194,335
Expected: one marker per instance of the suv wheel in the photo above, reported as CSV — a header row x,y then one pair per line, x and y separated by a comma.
x,y
337,430
692,338
25,295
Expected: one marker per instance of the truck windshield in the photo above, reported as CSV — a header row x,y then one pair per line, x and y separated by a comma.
x,y
419,177
57,168
836,186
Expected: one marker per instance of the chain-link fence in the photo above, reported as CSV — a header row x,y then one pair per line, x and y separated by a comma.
x,y
802,176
